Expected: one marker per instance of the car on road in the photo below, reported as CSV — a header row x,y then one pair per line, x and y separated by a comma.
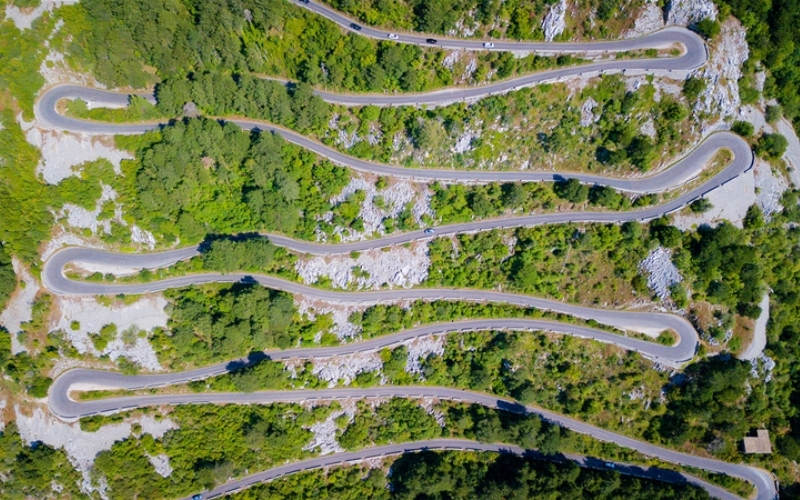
x,y
610,465
430,230
301,1
392,36
355,26
200,496
431,41
488,45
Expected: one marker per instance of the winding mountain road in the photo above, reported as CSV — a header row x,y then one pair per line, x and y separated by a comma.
x,y
346,458
694,55
54,280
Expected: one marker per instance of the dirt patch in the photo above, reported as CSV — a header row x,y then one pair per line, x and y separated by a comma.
x,y
755,348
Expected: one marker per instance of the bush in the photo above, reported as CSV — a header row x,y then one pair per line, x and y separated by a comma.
x,y
708,28
771,146
693,87
745,129
572,190
773,114
701,205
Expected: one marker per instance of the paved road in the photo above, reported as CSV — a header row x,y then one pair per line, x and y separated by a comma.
x,y
674,176
347,458
694,56
55,281
62,406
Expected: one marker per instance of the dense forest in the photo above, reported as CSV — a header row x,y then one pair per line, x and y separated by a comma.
x,y
214,443
462,476
516,19
197,177
270,37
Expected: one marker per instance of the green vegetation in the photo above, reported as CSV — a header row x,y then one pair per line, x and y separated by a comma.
x,y
36,470
536,126
596,383
586,263
771,146
772,36
197,177
516,19
212,444
224,322
8,279
271,37
138,109
21,54
745,129
462,476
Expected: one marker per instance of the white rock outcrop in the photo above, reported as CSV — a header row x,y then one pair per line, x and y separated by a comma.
x,y
686,12
553,23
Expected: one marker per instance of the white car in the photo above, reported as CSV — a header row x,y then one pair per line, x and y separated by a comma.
x,y
488,45
392,36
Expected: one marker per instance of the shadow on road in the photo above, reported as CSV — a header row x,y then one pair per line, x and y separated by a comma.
x,y
252,359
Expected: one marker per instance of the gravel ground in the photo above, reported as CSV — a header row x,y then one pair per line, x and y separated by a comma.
x,y
402,266
730,202
346,368
66,239
395,196
61,151
756,348
792,155
144,314
82,447
161,464
79,217
18,308
324,440
420,348
24,18
343,328
770,188
662,273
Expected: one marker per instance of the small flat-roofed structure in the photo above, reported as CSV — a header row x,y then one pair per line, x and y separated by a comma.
x,y
758,444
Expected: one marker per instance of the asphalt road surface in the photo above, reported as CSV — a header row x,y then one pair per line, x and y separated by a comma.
x,y
346,458
55,281
64,407
694,55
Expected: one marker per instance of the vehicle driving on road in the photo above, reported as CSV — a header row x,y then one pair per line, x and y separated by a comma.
x,y
488,45
392,36
355,26
431,40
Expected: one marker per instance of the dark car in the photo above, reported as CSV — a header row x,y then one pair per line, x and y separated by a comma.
x,y
431,40
355,26
199,496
